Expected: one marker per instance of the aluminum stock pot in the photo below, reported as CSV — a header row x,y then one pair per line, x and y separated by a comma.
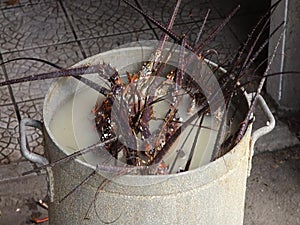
x,y
211,194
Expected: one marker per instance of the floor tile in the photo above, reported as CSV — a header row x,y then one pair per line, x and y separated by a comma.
x,y
224,41
4,96
242,25
9,135
9,130
222,47
31,109
63,55
102,18
4,92
97,45
33,25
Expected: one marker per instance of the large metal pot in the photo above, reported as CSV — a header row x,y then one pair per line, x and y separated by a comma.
x,y
211,194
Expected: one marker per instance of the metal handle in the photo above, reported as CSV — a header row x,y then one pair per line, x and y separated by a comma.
x,y
263,130
31,156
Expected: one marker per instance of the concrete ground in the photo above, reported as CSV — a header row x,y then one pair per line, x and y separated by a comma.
x,y
65,32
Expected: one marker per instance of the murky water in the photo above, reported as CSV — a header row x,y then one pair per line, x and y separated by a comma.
x,y
73,127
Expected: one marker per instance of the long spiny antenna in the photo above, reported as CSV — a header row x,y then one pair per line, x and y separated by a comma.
x,y
72,72
227,76
213,34
202,28
245,123
72,156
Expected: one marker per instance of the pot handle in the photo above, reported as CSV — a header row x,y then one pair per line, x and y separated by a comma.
x,y
263,130
31,156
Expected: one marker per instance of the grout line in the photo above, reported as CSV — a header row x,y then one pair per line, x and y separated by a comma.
x,y
78,40
221,15
37,47
72,28
234,34
14,103
147,21
142,30
18,102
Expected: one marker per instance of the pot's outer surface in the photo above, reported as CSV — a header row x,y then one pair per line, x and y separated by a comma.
x,y
213,194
